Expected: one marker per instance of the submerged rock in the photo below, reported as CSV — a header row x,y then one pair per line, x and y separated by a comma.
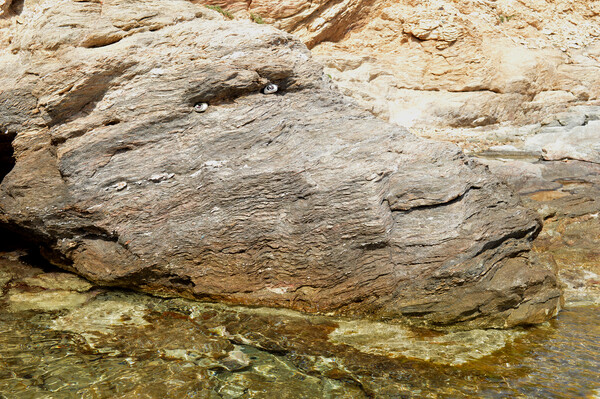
x,y
397,341
123,345
299,200
26,287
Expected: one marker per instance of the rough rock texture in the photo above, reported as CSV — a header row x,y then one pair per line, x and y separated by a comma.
x,y
556,166
573,134
298,199
436,63
469,63
567,195
312,21
23,287
4,7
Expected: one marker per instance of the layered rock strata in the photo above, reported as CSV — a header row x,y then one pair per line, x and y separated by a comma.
x,y
296,199
449,63
555,165
312,21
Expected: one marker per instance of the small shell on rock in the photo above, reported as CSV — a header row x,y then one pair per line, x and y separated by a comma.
x,y
200,107
120,186
270,88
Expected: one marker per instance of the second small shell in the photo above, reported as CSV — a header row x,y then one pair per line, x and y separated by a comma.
x,y
200,107
270,88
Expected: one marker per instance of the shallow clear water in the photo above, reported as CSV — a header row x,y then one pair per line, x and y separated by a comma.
x,y
128,345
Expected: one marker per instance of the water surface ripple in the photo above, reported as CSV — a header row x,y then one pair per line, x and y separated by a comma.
x,y
129,345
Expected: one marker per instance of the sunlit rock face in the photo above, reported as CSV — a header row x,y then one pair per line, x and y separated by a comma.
x,y
449,63
297,199
4,6
311,21
465,63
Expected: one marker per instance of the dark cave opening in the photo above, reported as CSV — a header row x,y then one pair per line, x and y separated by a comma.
x,y
14,237
7,159
11,238
29,249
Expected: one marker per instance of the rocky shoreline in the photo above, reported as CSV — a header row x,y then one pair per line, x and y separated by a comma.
x,y
84,340
297,199
554,166
191,205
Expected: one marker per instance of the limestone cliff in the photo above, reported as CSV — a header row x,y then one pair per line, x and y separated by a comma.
x,y
297,199
439,63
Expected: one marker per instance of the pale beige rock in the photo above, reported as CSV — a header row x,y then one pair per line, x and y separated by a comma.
x,y
56,281
311,21
45,300
4,6
396,341
578,143
24,287
491,61
440,63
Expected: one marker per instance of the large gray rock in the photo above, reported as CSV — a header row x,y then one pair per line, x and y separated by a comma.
x,y
296,199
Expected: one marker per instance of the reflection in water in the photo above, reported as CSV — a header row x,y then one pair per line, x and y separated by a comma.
x,y
125,345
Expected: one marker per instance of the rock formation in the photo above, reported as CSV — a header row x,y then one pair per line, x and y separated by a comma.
x,y
296,199
459,63
556,167
312,21
514,83
4,6
469,63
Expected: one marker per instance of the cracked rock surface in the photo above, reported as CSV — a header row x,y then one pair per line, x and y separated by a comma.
x,y
463,63
298,199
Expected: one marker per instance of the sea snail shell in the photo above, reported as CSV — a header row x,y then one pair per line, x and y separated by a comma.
x,y
270,88
200,107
